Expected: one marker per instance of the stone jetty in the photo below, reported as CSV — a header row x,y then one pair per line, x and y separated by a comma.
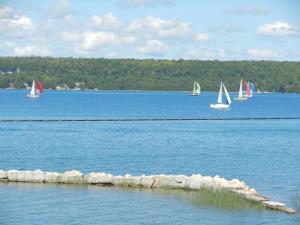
x,y
194,182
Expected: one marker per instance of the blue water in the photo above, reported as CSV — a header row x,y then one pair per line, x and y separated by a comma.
x,y
263,153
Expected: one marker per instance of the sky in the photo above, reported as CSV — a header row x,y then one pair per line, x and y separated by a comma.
x,y
158,29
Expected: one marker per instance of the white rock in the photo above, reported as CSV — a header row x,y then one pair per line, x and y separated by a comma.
x,y
37,176
52,177
172,181
130,181
98,178
147,181
71,177
12,175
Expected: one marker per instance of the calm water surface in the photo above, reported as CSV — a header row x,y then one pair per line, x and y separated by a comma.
x,y
263,153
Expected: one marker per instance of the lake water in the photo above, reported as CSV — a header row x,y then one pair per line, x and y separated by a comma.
x,y
263,153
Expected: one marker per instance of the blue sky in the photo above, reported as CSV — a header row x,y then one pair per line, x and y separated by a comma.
x,y
160,29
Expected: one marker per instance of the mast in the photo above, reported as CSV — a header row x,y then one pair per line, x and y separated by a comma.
x,y
220,95
227,95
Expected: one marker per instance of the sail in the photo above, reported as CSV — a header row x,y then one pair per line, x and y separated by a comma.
x,y
194,88
227,95
241,89
247,88
252,88
197,88
220,95
32,91
39,87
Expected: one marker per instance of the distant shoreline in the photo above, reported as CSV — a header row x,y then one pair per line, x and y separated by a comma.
x,y
152,75
108,90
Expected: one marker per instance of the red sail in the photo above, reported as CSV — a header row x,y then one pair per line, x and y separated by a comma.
x,y
247,88
39,87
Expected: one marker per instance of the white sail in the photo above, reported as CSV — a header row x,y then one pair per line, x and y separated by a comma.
x,y
220,95
197,90
227,95
241,89
32,91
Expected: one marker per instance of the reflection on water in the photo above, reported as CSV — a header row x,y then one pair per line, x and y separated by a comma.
x,y
295,199
201,198
204,197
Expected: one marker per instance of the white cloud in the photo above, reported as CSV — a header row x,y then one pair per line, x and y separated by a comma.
x,y
135,25
201,37
181,30
157,23
22,22
69,36
248,10
95,39
147,3
92,40
129,39
153,46
108,20
10,20
263,54
59,9
277,29
154,27
31,50
5,11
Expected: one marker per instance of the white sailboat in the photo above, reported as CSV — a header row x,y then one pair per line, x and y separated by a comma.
x,y
196,89
241,97
219,104
33,93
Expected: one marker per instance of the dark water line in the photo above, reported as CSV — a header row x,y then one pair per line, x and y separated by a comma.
x,y
148,119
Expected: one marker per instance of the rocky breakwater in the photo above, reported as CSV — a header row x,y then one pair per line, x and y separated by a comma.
x,y
194,182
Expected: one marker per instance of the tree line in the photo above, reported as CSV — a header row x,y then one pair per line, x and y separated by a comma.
x,y
148,74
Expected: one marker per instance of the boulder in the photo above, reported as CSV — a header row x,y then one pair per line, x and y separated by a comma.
x,y
12,175
52,177
130,181
172,181
36,176
98,178
147,181
71,177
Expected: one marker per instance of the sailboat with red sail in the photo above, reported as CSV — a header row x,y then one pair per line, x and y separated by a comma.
x,y
36,89
248,89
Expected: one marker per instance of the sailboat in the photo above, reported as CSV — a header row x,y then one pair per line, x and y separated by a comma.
x,y
252,88
241,97
248,90
219,104
196,89
36,89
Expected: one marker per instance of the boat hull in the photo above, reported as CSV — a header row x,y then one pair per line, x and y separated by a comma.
x,y
219,106
33,96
